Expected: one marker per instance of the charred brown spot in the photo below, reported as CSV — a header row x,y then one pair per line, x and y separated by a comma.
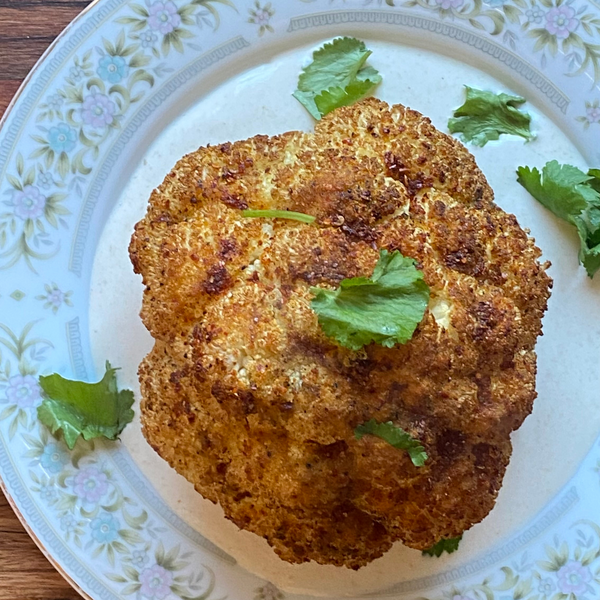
x,y
231,173
484,313
217,281
176,377
465,260
439,209
417,183
360,231
395,168
488,457
331,451
233,201
450,443
206,332
304,345
220,392
246,398
486,317
394,394
237,402
242,496
324,271
478,197
227,248
200,371
484,388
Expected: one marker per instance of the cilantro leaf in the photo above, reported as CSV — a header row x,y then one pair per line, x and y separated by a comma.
x,y
485,116
335,97
442,546
385,308
395,436
595,179
557,187
91,410
279,214
336,77
573,196
589,251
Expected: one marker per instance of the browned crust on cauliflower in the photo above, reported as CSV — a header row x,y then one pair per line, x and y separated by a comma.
x,y
246,397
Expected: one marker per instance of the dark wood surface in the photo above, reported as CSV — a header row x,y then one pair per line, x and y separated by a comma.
x,y
27,28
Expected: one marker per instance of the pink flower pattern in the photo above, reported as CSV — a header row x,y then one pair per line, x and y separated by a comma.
x,y
573,578
561,21
99,110
90,484
24,391
164,17
156,582
593,114
29,203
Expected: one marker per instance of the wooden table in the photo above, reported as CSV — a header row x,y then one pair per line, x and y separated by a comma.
x,y
27,28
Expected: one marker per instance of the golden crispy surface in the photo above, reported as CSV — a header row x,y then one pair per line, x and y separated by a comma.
x,y
245,396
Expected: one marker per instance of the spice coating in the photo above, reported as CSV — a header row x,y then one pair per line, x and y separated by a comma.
x,y
246,397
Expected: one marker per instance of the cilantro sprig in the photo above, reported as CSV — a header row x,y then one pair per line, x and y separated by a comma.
x,y
384,308
279,214
90,410
573,196
442,546
336,77
396,437
485,116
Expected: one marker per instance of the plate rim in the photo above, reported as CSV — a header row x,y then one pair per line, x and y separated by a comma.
x,y
3,122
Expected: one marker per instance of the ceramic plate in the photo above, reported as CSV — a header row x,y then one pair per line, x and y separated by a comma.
x,y
127,90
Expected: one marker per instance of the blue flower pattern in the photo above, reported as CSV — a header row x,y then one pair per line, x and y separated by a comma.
x,y
105,529
45,180
112,69
54,458
62,138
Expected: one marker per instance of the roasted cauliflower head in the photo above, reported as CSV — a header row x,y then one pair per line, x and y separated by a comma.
x,y
245,396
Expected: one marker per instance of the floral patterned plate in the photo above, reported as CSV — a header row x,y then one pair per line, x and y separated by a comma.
x,y
83,125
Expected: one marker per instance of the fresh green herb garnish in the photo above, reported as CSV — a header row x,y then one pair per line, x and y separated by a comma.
x,y
395,436
485,115
573,196
91,410
442,546
384,308
595,181
336,77
279,214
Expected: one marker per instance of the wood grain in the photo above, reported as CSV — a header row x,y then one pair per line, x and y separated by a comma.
x,y
25,574
27,28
